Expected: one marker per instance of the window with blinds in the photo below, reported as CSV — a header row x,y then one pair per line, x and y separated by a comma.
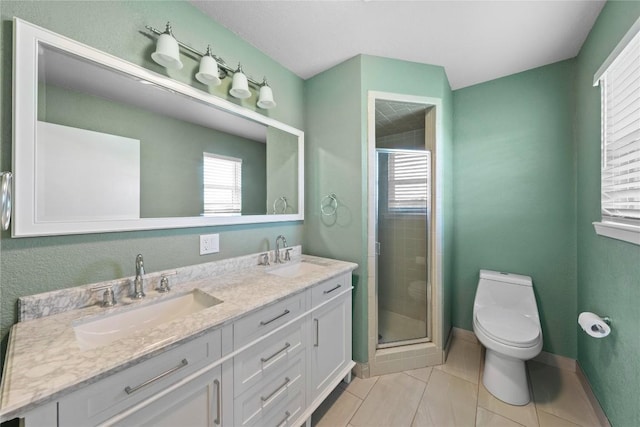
x,y
619,80
408,188
222,184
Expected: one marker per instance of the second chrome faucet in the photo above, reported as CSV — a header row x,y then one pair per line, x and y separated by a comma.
x,y
284,245
138,282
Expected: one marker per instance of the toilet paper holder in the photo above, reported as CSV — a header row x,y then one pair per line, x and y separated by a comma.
x,y
594,325
598,328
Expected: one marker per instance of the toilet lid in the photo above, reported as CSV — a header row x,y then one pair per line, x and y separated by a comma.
x,y
508,326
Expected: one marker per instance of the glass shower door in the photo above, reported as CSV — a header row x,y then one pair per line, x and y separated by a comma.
x,y
403,219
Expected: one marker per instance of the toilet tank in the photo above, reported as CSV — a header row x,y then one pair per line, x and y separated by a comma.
x,y
507,290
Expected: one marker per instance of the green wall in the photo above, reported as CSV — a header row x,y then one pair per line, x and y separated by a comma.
x,y
514,198
33,265
333,162
608,270
336,159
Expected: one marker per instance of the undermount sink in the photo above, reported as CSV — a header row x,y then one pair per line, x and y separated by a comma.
x,y
111,327
296,269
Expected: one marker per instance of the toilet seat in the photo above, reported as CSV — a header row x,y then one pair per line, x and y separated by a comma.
x,y
508,327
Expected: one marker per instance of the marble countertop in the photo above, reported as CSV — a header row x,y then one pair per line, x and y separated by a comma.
x,y
44,360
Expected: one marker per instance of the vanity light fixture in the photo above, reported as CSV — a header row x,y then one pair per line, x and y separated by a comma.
x,y
265,100
208,73
240,84
167,51
212,68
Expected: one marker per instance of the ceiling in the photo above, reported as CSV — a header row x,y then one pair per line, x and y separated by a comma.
x,y
475,41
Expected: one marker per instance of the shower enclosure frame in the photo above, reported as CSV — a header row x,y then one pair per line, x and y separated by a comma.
x,y
406,355
428,219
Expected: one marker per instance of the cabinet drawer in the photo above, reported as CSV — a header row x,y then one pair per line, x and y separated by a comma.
x,y
107,397
287,414
257,403
329,289
266,357
266,320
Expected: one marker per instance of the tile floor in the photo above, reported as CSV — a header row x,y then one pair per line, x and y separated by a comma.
x,y
453,395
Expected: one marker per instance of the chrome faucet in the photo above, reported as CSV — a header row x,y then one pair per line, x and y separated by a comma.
x,y
138,288
284,243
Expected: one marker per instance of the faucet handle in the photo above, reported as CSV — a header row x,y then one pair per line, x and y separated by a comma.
x,y
164,282
287,254
164,285
108,297
264,259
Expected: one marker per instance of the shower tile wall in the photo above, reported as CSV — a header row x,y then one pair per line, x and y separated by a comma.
x,y
411,140
402,261
403,254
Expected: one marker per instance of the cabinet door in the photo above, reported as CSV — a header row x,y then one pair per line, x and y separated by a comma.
x,y
195,404
331,346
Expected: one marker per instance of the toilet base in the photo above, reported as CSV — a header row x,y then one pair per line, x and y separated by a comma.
x,y
506,378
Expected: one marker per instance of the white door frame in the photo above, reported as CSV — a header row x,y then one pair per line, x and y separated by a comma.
x,y
424,354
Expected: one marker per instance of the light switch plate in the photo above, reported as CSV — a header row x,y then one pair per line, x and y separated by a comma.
x,y
209,244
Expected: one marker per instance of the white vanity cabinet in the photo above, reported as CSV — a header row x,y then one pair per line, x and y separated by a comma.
x,y
196,403
149,380
271,367
330,349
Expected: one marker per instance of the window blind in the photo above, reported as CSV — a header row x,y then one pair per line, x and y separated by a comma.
x,y
222,178
408,181
620,86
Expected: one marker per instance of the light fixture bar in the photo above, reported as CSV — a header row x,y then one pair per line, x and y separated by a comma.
x,y
228,71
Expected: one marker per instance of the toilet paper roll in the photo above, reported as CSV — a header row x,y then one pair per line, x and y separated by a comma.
x,y
593,325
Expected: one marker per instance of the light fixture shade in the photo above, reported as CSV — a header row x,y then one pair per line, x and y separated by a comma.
x,y
167,52
266,97
208,73
240,85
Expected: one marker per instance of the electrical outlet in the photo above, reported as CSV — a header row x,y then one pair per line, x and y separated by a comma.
x,y
209,244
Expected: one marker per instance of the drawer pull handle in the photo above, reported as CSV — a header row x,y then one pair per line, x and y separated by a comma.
x,y
286,381
131,390
219,399
332,289
266,359
285,419
317,341
266,322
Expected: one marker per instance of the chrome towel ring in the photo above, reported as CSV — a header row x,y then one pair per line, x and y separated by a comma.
x,y
329,204
280,202
5,189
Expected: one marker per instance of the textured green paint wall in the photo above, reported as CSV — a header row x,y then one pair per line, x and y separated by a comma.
x,y
336,158
33,265
334,165
514,197
608,269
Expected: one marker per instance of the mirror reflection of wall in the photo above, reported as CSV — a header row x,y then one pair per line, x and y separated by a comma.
x,y
282,169
171,151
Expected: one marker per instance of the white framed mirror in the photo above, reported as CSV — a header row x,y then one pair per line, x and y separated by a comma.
x,y
103,145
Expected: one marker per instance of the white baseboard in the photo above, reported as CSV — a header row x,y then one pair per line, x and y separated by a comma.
x,y
560,362
602,417
361,370
465,335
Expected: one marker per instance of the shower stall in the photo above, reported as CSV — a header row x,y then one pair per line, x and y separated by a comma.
x,y
404,245
402,240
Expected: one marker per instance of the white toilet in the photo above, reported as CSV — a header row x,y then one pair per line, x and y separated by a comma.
x,y
506,321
